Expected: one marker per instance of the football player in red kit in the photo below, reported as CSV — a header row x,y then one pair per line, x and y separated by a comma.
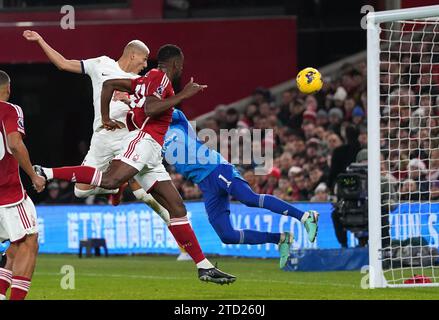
x,y
18,219
141,158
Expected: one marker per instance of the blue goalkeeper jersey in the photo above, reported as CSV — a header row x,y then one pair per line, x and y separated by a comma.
x,y
189,155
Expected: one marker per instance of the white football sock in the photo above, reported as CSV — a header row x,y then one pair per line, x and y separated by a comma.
x,y
141,195
48,172
205,264
86,193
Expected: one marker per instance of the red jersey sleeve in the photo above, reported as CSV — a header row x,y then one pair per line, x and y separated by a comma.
x,y
14,120
158,86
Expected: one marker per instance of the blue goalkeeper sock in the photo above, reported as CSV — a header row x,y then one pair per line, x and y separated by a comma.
x,y
258,237
243,193
277,205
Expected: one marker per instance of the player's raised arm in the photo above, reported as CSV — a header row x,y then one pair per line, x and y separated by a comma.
x,y
54,56
108,88
154,105
19,151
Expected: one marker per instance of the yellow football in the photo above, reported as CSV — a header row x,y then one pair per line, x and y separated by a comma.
x,y
309,80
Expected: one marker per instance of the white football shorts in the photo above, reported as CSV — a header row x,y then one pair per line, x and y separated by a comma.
x,y
142,152
18,221
104,146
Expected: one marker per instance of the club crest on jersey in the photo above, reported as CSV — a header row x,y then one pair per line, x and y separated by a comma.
x,y
20,123
160,89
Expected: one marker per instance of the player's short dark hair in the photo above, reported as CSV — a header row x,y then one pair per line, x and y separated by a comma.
x,y
167,52
4,78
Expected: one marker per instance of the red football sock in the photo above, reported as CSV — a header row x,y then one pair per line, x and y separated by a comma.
x,y
5,280
19,288
80,174
185,237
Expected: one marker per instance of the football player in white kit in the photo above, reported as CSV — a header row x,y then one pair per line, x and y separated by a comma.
x,y
105,145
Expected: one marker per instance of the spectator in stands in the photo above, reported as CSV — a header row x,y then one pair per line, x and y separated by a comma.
x,y
265,109
315,176
343,156
285,162
335,120
288,98
321,194
52,193
285,190
311,103
250,111
232,118
299,185
348,107
417,174
67,194
220,115
357,116
312,149
362,137
308,126
339,97
333,141
272,181
297,109
261,95
322,118
409,190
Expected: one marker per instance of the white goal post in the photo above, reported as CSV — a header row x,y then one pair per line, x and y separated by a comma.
x,y
403,142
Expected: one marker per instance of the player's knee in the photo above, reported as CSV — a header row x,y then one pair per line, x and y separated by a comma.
x,y
231,237
79,193
31,243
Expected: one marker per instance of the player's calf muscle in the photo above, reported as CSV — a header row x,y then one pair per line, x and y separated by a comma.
x,y
83,186
178,210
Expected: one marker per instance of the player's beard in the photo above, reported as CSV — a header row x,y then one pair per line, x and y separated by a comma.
x,y
176,83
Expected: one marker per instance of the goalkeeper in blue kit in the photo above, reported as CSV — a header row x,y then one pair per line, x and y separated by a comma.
x,y
218,180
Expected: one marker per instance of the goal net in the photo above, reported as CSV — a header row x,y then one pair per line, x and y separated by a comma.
x,y
403,127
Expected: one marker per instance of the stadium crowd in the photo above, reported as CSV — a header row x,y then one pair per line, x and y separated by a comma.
x,y
309,130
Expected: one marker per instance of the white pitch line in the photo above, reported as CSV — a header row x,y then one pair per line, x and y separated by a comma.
x,y
138,276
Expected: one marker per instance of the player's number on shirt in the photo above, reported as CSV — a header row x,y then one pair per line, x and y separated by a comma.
x,y
2,147
140,95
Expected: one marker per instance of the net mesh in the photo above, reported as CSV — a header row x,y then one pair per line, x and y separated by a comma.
x,y
409,107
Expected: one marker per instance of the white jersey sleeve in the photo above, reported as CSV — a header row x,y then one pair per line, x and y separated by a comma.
x,y
92,66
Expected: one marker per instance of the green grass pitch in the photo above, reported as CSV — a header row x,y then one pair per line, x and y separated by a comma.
x,y
162,277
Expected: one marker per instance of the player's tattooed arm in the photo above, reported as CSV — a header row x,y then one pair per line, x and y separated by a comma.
x,y
19,151
108,88
154,105
54,56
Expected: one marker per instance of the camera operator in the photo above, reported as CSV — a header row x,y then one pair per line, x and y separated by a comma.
x,y
388,191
